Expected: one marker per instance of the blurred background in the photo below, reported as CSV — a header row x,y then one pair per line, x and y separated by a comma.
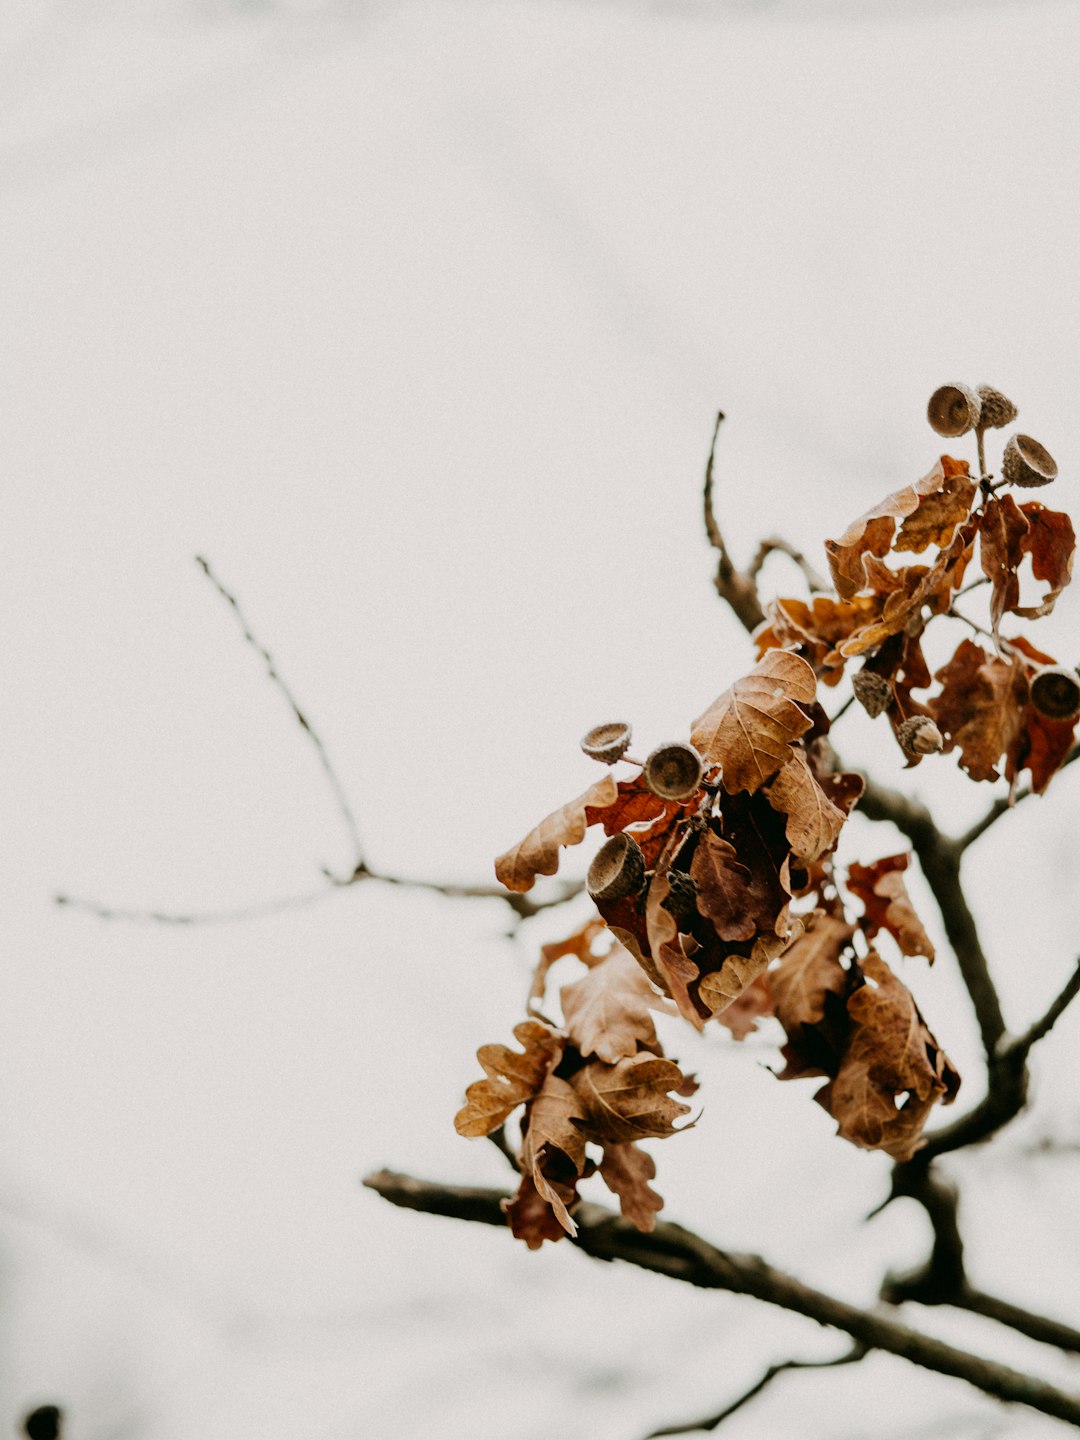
x,y
413,319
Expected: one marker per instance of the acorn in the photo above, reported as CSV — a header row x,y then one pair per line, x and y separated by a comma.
x,y
673,771
997,409
1055,692
954,409
607,743
873,692
681,899
919,736
1027,463
617,870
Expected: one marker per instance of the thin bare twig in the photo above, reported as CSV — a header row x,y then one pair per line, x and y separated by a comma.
x,y
713,1422
816,582
344,808
680,1254
1005,803
737,589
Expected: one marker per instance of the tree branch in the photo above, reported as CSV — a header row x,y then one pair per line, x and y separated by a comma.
x,y
737,589
344,809
1004,803
816,582
713,1422
679,1253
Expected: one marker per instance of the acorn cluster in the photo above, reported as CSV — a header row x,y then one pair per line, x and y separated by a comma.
x,y
955,409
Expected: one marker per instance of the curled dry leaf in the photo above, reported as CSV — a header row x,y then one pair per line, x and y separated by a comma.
x,y
754,1004
1051,543
722,988
675,968
979,708
607,1012
808,971
629,1100
872,534
817,629
813,821
553,1146
1041,745
938,516
538,853
626,1171
892,1070
531,1218
512,1079
728,891
750,728
881,889
1008,533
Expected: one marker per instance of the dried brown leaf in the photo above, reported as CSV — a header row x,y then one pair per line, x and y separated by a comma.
x,y
626,1171
754,1004
890,1054
979,708
727,893
808,971
579,944
538,853
871,534
512,1079
816,629
881,889
1051,542
531,1218
607,1012
813,821
1001,549
750,728
553,1145
939,514
676,969
629,1100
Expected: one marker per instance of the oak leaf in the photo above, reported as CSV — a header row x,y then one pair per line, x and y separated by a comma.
x,y
1001,549
676,969
892,1071
553,1146
726,888
1051,543
607,1012
538,853
813,821
579,944
881,889
872,533
531,1218
512,1079
816,629
979,708
750,728
939,514
720,989
754,1004
626,1171
629,1100
809,970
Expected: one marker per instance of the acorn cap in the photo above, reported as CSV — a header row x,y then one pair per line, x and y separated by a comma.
x,y
919,736
681,899
618,869
1055,692
997,409
873,691
953,409
607,743
1027,463
673,771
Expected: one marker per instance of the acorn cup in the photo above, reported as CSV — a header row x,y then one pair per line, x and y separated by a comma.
x,y
919,736
607,743
674,771
617,870
954,410
681,899
1055,692
1027,463
997,409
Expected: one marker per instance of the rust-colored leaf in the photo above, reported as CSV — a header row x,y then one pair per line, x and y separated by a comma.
x,y
749,730
675,967
531,1218
607,1012
939,514
1001,549
629,1100
892,1071
538,853
808,971
979,709
511,1080
1051,542
912,590
634,804
881,889
727,893
813,821
816,629
871,535
626,1171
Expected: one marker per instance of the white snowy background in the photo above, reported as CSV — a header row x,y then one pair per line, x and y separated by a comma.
x,y
413,319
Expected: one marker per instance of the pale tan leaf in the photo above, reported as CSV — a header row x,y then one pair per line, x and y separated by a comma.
x,y
553,1147
538,853
809,970
871,534
511,1080
814,822
629,1100
749,729
626,1171
607,1011
754,1004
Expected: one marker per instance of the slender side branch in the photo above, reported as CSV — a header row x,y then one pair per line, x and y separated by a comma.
x,y
1004,803
775,543
672,1250
713,1422
344,809
737,589
940,857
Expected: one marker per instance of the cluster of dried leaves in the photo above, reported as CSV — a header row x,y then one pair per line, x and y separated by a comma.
x,y
742,913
